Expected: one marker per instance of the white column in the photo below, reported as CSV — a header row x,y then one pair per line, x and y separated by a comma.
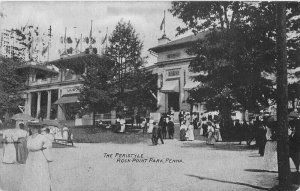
x,y
60,112
38,105
49,104
28,104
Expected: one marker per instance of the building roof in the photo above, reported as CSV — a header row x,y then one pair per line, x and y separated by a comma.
x,y
75,62
180,42
39,68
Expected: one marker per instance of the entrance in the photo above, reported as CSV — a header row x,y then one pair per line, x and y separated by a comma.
x,y
173,100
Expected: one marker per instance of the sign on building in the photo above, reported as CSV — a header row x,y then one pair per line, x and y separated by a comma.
x,y
71,90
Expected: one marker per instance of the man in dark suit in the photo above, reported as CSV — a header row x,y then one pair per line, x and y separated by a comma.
x,y
170,126
156,134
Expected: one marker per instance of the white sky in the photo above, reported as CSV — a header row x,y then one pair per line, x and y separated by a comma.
x,y
146,18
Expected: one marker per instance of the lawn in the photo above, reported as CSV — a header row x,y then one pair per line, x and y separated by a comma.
x,y
101,135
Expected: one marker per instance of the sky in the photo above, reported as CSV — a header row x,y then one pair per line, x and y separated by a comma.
x,y
145,17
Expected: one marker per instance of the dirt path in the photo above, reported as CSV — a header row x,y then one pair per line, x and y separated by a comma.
x,y
173,166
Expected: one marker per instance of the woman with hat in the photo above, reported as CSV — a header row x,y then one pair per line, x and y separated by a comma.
x,y
9,150
210,134
36,173
270,153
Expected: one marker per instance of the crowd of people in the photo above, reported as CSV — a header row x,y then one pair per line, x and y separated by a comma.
x,y
262,129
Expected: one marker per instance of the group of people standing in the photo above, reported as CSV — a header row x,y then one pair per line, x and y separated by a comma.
x,y
164,127
15,145
32,148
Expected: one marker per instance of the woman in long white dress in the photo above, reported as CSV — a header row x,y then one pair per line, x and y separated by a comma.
x,y
9,150
150,129
36,175
270,155
190,132
123,125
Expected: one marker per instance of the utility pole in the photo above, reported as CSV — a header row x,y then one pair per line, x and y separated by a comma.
x,y
282,99
49,42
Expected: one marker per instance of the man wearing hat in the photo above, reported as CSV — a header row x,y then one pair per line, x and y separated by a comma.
x,y
156,134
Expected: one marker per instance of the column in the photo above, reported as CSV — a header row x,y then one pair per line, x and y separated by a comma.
x,y
28,104
48,104
60,112
38,105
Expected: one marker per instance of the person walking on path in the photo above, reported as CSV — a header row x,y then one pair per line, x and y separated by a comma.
x,y
171,129
9,149
260,137
190,132
210,134
295,144
163,125
156,134
270,152
183,129
181,117
21,144
36,175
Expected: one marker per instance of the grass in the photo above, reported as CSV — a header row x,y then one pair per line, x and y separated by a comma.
x,y
89,134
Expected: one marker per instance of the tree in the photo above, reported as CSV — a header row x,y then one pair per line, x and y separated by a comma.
x,y
239,50
11,85
282,99
99,91
125,51
244,45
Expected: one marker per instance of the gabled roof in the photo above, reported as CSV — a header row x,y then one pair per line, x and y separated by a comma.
x,y
180,42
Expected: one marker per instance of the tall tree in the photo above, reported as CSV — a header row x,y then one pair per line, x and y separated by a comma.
x,y
282,99
239,50
11,85
125,51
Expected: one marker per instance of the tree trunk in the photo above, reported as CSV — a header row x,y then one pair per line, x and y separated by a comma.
x,y
282,99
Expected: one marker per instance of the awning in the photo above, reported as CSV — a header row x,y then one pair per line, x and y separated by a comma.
x,y
170,86
190,85
67,99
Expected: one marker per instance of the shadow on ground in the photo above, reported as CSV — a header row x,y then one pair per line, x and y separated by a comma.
x,y
219,146
228,182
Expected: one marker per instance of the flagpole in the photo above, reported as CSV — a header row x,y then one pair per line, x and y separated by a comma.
x,y
81,42
49,42
91,32
106,40
164,23
65,39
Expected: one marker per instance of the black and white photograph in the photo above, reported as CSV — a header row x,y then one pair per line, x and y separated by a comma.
x,y
149,95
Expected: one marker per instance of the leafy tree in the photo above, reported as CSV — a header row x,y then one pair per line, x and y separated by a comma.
x,y
125,51
238,52
245,42
99,92
11,85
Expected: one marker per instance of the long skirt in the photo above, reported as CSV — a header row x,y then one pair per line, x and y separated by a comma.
x,y
182,135
150,128
201,131
36,173
190,135
218,135
211,139
22,151
9,153
270,156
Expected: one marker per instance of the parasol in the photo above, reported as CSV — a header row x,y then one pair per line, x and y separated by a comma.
x,y
22,117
